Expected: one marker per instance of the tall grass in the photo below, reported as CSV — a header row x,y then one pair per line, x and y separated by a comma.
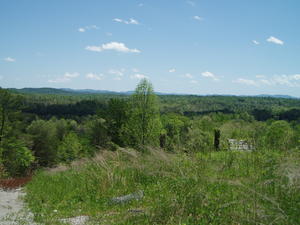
x,y
212,188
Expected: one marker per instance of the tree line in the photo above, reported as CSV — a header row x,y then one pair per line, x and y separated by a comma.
x,y
35,134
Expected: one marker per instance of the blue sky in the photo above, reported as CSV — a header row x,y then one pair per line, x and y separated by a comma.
x,y
183,46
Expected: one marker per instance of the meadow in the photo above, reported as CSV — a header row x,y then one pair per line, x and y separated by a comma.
x,y
226,187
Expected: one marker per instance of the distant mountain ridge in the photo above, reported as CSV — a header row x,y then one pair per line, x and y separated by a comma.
x,y
69,91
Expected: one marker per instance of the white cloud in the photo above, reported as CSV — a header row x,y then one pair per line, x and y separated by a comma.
x,y
172,70
198,18
255,42
130,21
118,73
266,82
276,80
245,81
133,21
118,20
94,48
71,75
194,82
275,40
65,78
94,76
296,76
138,76
116,46
135,70
90,27
191,3
9,59
210,75
188,75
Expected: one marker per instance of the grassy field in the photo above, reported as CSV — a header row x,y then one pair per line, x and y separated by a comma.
x,y
212,188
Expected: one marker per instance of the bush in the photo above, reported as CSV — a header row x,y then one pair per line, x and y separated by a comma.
x,y
70,148
17,158
279,135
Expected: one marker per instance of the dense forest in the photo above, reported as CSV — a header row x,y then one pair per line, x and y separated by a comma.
x,y
47,128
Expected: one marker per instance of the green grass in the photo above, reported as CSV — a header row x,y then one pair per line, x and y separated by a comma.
x,y
212,188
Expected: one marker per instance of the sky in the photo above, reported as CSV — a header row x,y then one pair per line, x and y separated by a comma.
x,y
203,47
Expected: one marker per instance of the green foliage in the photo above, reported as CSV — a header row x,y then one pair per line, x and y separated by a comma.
x,y
143,126
279,135
17,158
117,116
97,131
175,127
44,141
9,108
70,148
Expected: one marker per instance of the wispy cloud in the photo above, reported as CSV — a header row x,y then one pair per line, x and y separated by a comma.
x,y
94,76
9,59
130,21
194,82
276,80
245,81
65,78
172,70
255,42
210,75
191,3
116,46
90,27
198,18
275,40
117,73
139,76
188,75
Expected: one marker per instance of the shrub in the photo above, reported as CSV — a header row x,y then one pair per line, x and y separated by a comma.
x,y
17,158
70,148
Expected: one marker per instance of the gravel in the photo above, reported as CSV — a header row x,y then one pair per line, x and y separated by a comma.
x,y
12,211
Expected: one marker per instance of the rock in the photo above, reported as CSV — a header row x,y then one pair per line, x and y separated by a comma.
x,y
126,198
136,211
78,220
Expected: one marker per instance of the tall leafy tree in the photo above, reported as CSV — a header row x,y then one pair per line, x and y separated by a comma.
x,y
116,117
144,124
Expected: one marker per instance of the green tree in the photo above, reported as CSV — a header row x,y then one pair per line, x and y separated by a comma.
x,y
44,141
9,105
279,135
16,157
116,117
96,131
175,127
144,126
70,148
